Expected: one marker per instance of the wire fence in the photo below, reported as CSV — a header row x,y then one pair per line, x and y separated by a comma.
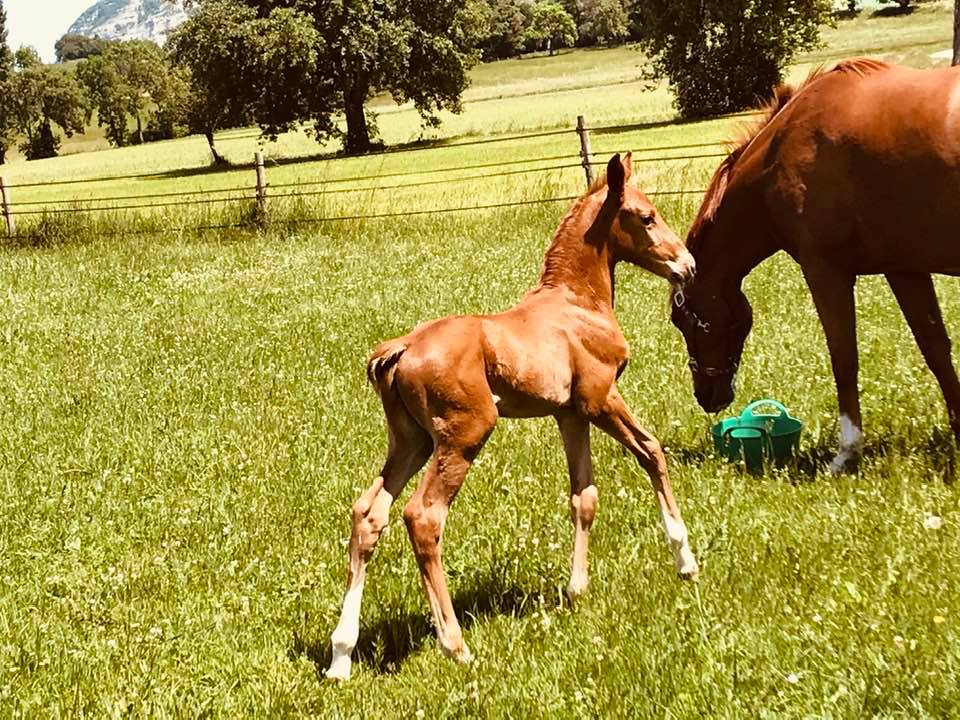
x,y
307,188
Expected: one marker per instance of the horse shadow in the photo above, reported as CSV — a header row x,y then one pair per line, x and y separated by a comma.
x,y
813,462
389,641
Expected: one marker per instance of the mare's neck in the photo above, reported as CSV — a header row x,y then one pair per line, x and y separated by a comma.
x,y
731,248
579,258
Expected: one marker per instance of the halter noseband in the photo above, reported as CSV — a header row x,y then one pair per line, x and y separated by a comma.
x,y
691,318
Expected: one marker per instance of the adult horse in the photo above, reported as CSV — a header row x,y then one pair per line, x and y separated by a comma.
x,y
557,352
855,172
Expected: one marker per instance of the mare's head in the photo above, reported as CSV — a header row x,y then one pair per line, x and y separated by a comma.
x,y
637,233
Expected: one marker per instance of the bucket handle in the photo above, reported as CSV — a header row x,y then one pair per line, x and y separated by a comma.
x,y
748,411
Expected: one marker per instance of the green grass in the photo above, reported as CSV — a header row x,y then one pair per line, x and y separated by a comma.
x,y
185,422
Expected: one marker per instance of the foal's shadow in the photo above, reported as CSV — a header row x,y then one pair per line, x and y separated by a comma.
x,y
384,645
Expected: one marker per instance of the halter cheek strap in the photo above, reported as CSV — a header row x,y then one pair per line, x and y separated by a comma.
x,y
680,302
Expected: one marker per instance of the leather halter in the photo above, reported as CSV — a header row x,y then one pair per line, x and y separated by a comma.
x,y
691,318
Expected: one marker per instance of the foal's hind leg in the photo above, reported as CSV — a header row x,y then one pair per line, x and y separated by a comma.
x,y
918,301
583,496
615,419
457,442
409,448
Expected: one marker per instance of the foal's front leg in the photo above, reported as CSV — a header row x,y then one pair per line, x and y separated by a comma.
x,y
833,296
583,497
616,420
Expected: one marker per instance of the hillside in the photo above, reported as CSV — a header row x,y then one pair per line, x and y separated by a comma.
x,y
130,20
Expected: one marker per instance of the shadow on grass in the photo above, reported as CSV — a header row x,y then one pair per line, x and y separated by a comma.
x,y
893,11
384,645
813,462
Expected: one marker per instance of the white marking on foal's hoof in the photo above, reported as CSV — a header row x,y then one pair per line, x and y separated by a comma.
x,y
575,591
339,666
687,568
460,654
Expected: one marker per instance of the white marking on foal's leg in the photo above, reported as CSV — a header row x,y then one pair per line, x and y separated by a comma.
x,y
583,510
676,532
851,445
344,638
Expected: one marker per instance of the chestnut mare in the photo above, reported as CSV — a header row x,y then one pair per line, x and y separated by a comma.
x,y
557,352
855,172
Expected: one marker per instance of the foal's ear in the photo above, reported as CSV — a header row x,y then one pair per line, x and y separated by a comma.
x,y
616,177
628,165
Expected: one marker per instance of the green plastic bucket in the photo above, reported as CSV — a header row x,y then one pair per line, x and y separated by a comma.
x,y
763,432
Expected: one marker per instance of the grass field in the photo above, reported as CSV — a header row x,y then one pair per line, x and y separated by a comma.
x,y
185,423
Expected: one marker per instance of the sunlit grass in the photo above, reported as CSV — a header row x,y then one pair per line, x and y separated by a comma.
x,y
185,422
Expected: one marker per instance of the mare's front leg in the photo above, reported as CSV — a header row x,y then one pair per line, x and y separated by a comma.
x,y
918,301
615,419
833,295
575,431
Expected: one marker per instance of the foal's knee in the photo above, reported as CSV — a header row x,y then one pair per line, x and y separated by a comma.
x,y
583,506
369,521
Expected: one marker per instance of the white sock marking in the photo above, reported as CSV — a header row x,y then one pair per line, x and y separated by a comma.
x,y
676,533
851,444
344,638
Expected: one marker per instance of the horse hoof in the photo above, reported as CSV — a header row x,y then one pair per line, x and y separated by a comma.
x,y
575,592
339,670
461,654
688,570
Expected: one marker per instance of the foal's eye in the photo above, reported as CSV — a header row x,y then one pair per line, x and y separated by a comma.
x,y
647,220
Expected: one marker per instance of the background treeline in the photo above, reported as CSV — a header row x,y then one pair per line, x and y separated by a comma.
x,y
316,63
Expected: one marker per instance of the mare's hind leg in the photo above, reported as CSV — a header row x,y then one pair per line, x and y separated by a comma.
x,y
832,291
583,496
615,419
409,448
457,439
918,301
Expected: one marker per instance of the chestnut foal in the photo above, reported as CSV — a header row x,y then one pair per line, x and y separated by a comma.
x,y
558,352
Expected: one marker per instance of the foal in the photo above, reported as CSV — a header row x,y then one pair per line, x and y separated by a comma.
x,y
557,352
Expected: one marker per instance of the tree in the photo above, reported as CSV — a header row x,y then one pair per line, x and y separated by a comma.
x,y
552,26
124,79
242,68
722,56
603,21
7,121
417,50
956,34
43,96
78,47
507,22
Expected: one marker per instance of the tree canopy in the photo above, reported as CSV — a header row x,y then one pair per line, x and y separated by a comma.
x,y
43,96
126,78
723,55
78,47
7,121
417,50
551,26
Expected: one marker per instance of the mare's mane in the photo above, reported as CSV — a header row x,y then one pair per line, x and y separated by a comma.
x,y
782,95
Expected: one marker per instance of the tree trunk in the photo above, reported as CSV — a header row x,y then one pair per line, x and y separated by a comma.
x,y
3,154
358,134
217,157
139,128
956,33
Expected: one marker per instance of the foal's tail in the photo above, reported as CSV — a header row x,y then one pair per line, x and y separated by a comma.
x,y
383,363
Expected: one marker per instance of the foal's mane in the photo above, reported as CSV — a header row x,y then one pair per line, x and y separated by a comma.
x,y
782,95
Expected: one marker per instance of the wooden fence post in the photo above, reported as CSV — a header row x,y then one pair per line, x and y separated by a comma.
x,y
585,148
261,190
7,212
